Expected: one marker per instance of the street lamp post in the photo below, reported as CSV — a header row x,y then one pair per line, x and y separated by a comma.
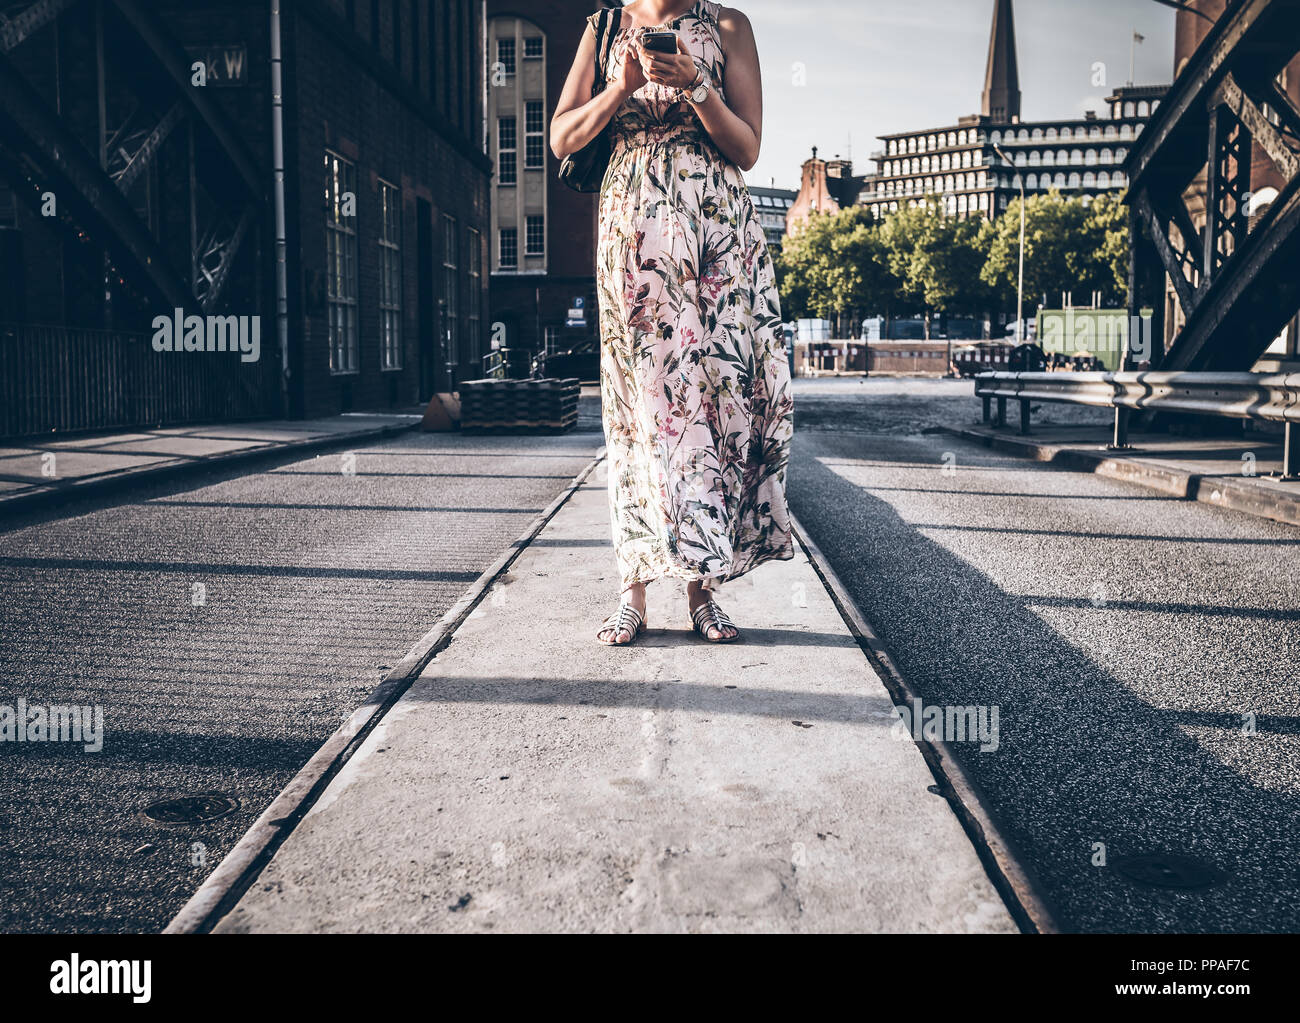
x,y
1020,285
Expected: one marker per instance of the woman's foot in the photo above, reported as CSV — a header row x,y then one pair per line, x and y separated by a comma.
x,y
625,624
713,624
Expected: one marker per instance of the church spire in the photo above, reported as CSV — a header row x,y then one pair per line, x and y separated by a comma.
x,y
1001,101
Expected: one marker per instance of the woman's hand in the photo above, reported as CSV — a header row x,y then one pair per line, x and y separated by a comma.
x,y
632,76
676,70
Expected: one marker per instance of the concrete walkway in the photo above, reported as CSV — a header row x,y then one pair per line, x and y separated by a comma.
x,y
37,470
532,780
1223,471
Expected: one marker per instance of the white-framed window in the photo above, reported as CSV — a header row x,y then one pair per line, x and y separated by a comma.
x,y
506,55
507,151
341,263
508,248
534,135
535,235
450,288
474,267
390,276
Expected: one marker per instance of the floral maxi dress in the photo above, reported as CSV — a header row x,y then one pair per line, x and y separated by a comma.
x,y
695,383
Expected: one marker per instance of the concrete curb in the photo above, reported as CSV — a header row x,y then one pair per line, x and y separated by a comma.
x,y
1221,491
95,486
226,885
1013,881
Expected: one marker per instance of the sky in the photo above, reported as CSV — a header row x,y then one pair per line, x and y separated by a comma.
x,y
872,67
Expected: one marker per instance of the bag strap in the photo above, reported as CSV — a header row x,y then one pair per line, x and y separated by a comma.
x,y
605,35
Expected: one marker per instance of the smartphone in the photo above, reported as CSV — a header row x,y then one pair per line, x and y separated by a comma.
x,y
660,42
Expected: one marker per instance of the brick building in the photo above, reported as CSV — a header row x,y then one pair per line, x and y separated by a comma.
x,y
543,252
825,186
165,183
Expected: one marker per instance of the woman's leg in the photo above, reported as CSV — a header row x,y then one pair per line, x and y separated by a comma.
x,y
698,594
634,595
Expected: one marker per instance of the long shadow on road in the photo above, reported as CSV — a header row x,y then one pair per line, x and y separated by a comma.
x,y
1083,760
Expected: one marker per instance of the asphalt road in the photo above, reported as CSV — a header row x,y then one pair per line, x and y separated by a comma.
x,y
1122,634
314,580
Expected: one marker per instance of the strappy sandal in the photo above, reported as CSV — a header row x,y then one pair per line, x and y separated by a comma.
x,y
710,616
626,619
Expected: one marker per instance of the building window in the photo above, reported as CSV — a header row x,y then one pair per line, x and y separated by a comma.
x,y
450,290
506,55
508,248
535,238
507,151
534,48
534,135
390,277
474,313
341,262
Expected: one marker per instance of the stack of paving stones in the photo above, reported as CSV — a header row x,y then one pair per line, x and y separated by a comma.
x,y
547,405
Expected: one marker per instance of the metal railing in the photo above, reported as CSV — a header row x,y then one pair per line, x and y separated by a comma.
x,y
65,379
1271,398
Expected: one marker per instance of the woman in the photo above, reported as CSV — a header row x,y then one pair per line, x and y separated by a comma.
x,y
695,386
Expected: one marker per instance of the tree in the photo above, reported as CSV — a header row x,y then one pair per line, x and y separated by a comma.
x,y
1069,247
937,259
1108,222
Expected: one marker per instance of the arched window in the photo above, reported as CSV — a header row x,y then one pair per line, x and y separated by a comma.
x,y
1062,157
1118,179
1125,131
1143,109
1024,135
1059,180
1020,159
995,137
1090,158
1076,156
1031,181
1034,159
949,183
965,158
1110,131
1130,109
1065,133
1089,180
1121,155
1103,179
1051,134
1107,156
1094,132
1049,159
1074,180
1015,181
1037,135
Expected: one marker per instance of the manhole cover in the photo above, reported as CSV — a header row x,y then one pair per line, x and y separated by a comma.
x,y
1169,871
195,809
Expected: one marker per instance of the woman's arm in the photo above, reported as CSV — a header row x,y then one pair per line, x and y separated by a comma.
x,y
579,116
736,129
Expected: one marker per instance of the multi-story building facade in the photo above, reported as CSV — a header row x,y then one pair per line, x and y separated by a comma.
x,y
165,196
963,163
771,205
543,252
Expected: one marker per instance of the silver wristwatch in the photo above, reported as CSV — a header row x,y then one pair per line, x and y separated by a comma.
x,y
699,91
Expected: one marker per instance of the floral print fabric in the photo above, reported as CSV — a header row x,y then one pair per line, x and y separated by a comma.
x,y
695,383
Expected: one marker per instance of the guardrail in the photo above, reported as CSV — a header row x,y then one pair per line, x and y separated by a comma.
x,y
1268,397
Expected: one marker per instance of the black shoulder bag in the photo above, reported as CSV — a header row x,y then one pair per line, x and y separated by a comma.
x,y
584,171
